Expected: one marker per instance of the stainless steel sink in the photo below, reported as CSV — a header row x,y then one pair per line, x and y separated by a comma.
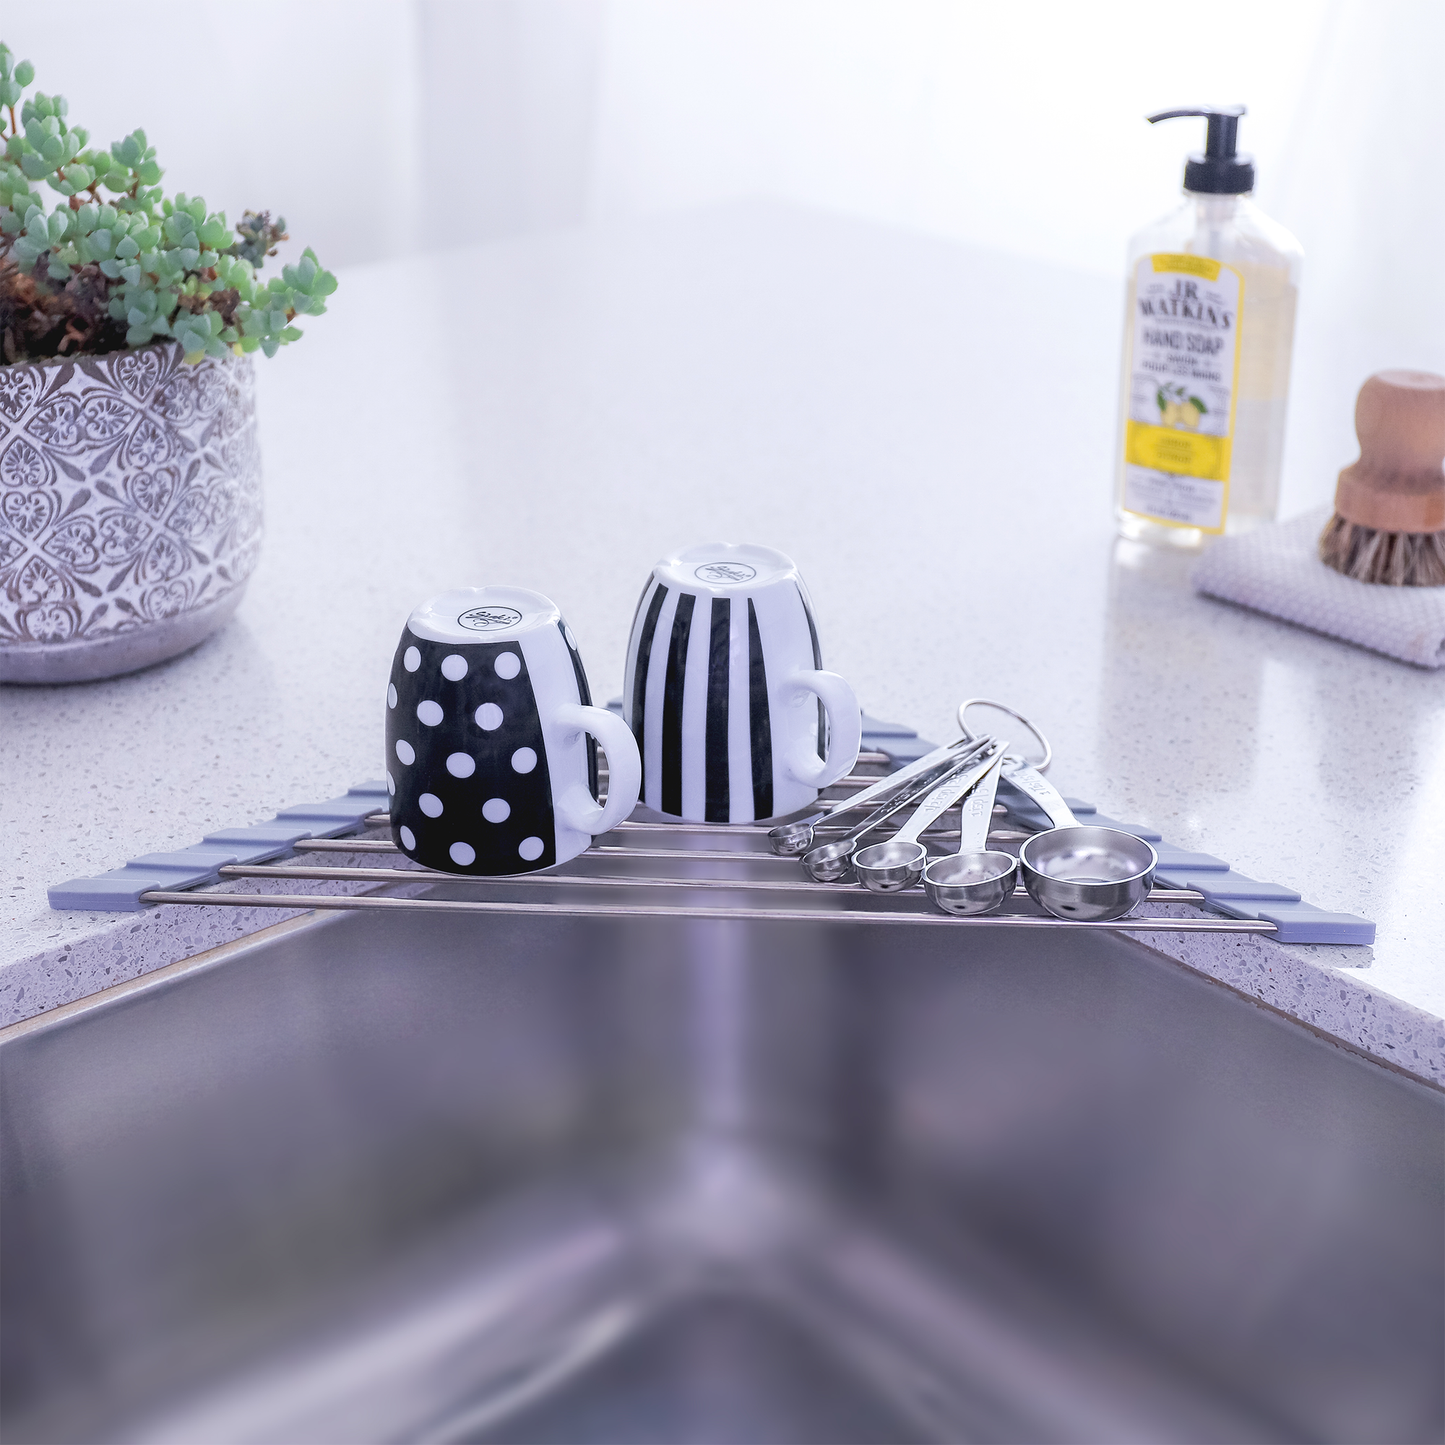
x,y
427,1178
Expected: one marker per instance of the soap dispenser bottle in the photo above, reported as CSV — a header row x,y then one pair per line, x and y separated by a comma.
x,y
1207,340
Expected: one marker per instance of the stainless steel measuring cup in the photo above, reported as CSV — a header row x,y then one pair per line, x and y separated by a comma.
x,y
793,839
899,863
832,862
976,879
1076,870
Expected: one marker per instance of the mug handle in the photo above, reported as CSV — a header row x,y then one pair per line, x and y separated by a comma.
x,y
845,732
578,808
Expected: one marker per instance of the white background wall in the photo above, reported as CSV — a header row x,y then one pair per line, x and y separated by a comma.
x,y
386,127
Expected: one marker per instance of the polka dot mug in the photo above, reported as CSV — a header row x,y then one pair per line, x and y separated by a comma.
x,y
489,761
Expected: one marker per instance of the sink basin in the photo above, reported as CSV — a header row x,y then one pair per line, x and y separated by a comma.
x,y
429,1178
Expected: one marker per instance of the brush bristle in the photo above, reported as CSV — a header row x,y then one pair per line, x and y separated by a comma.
x,y
1396,559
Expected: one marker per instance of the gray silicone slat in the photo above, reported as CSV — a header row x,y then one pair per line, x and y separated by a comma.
x,y
873,727
1149,835
186,860
193,867
262,841
1229,887
1176,861
117,892
899,750
1304,923
333,817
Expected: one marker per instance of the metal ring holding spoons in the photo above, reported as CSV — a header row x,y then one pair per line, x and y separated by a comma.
x,y
1075,870
833,862
977,878
793,839
1041,765
899,863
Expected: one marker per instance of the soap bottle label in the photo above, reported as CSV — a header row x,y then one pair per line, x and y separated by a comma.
x,y
1184,371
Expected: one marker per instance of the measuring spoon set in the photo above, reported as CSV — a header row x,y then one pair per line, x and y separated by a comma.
x,y
1072,870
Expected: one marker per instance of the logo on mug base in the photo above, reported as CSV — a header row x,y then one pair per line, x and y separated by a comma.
x,y
725,572
490,619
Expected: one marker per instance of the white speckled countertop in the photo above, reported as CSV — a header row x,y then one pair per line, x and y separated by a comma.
x,y
927,429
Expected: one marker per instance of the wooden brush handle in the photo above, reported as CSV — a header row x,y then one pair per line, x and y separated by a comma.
x,y
1398,484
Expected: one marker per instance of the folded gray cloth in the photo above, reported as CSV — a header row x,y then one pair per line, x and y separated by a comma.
x,y
1277,570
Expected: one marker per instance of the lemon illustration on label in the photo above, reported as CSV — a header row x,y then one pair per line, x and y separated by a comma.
x,y
1179,408
1183,370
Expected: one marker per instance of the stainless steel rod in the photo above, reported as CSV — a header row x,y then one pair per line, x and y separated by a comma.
x,y
598,850
746,830
759,830
322,874
693,855
344,902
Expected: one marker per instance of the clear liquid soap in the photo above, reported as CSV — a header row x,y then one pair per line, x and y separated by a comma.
x,y
1208,336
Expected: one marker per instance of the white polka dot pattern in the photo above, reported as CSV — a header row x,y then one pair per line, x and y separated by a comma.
x,y
408,838
390,783
465,724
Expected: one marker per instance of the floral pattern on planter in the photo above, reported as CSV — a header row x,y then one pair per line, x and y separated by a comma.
x,y
130,491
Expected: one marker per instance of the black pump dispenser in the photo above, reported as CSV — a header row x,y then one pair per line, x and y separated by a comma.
x,y
1219,170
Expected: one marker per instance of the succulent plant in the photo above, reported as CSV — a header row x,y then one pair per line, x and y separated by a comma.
x,y
98,273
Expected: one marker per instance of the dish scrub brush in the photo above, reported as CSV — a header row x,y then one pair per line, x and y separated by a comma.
x,y
1389,521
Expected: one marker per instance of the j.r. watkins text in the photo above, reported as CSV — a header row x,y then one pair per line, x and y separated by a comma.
x,y
1184,303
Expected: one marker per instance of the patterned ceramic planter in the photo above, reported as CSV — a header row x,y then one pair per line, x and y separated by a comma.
x,y
130,509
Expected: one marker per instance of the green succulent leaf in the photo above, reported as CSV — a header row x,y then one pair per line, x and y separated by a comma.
x,y
157,266
215,233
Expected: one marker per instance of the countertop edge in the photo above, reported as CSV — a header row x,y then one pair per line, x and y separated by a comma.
x,y
1317,985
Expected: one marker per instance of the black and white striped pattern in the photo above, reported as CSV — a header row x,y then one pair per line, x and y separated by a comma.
x,y
709,697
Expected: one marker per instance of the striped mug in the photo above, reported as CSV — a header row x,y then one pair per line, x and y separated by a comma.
x,y
734,717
